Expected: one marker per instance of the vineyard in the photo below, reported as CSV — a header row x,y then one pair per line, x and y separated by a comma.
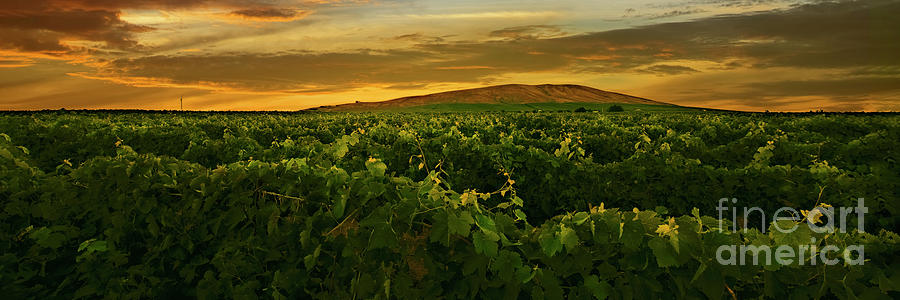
x,y
468,205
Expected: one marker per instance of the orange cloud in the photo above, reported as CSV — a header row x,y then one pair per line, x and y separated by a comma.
x,y
270,14
15,63
528,32
598,57
465,68
158,82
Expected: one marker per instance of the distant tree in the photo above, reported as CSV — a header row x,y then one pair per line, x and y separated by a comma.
x,y
615,108
581,109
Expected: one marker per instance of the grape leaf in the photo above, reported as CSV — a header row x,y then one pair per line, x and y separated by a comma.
x,y
484,244
460,224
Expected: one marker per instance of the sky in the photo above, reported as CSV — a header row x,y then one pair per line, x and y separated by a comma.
x,y
754,55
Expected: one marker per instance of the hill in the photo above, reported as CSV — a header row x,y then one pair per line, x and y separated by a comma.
x,y
509,97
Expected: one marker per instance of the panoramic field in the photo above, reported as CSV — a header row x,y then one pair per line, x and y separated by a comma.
x,y
433,149
510,205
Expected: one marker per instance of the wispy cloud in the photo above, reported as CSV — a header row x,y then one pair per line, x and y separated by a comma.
x,y
270,14
489,15
668,70
529,32
465,68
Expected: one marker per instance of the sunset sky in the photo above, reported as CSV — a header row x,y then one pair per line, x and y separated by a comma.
x,y
293,54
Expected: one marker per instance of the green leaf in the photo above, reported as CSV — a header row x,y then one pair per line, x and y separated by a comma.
x,y
365,285
460,224
339,205
376,167
888,284
484,244
84,291
525,274
520,215
89,247
6,154
632,234
661,210
551,284
310,260
517,201
485,223
600,290
712,283
506,264
97,246
580,218
698,272
380,215
40,234
383,236
799,236
550,243
567,237
45,237
665,254
440,230
340,149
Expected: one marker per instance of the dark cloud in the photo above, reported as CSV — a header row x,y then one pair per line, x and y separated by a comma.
x,y
31,40
669,70
409,37
270,14
732,3
44,30
45,25
826,35
876,71
116,5
682,11
676,13
741,3
419,38
529,32
407,86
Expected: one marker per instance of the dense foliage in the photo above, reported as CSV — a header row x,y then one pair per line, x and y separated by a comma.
x,y
434,205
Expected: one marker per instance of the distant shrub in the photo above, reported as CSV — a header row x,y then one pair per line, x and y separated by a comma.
x,y
615,108
581,109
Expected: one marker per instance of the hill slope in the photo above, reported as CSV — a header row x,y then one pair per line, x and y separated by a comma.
x,y
504,96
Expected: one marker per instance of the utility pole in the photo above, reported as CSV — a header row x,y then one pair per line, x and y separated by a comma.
x,y
182,103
